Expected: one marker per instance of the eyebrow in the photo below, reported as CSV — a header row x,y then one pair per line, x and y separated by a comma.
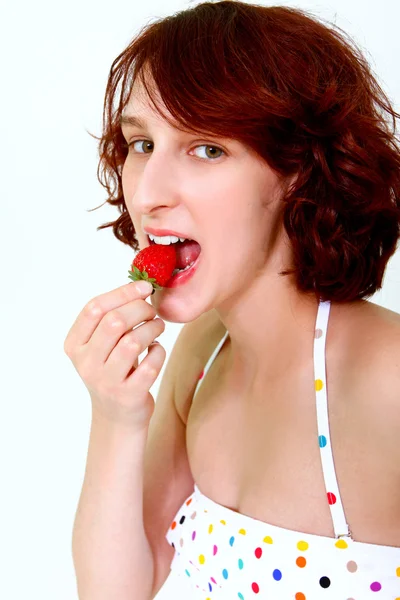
x,y
131,120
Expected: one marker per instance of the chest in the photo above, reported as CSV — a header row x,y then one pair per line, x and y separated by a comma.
x,y
258,454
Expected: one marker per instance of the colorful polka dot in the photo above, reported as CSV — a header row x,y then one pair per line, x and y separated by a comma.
x,y
268,539
300,596
319,384
331,498
341,544
258,552
302,545
301,562
375,586
277,575
240,596
242,531
398,571
255,587
322,441
240,563
225,574
324,582
210,529
215,550
231,540
202,560
352,566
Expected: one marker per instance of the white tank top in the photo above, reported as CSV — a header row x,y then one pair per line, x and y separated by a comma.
x,y
228,555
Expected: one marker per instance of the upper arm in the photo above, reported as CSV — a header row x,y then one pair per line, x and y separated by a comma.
x,y
167,476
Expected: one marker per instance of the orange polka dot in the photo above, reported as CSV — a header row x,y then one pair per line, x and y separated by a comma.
x,y
188,501
318,385
300,596
301,562
173,525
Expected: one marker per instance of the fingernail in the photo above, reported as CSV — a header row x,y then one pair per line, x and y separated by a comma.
x,y
144,287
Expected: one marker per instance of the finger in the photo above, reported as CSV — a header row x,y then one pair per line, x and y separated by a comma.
x,y
149,369
126,353
91,315
114,326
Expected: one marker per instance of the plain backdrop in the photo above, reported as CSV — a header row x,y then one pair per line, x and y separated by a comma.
x,y
55,58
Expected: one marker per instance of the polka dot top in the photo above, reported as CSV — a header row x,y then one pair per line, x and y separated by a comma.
x,y
228,555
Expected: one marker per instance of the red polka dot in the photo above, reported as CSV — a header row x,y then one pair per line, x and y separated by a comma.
x,y
201,375
258,552
255,588
331,498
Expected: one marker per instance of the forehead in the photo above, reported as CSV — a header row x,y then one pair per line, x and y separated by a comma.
x,y
141,107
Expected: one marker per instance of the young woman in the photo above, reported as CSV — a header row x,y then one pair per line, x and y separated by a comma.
x,y
270,464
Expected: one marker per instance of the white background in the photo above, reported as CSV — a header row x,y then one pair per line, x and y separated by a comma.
x,y
55,58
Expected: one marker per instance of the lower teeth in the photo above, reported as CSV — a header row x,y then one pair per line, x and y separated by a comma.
x,y
181,270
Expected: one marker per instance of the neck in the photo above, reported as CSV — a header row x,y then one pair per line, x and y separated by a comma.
x,y
269,333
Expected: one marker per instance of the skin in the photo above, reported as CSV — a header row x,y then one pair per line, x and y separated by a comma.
x,y
231,205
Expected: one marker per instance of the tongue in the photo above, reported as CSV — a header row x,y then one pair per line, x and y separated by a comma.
x,y
186,253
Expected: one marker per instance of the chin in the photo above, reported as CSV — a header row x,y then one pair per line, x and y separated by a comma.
x,y
174,310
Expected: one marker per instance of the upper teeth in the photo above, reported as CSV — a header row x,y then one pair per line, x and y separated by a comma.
x,y
165,239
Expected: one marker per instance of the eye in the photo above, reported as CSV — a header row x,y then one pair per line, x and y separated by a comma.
x,y
146,143
132,144
213,149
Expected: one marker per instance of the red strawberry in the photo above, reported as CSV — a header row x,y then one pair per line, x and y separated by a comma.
x,y
155,264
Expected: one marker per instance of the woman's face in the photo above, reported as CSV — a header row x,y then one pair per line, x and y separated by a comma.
x,y
215,191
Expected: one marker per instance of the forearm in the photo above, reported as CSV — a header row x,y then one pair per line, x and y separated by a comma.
x,y
112,556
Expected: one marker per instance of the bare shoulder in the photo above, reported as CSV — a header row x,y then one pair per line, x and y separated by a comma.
x,y
376,331
199,336
374,351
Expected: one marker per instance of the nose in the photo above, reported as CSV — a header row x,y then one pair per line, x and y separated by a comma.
x,y
156,185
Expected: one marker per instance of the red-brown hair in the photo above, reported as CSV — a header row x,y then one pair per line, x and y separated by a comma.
x,y
305,100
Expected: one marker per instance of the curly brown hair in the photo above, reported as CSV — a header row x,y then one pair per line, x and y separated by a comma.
x,y
304,98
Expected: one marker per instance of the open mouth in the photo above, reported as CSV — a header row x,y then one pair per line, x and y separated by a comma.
x,y
187,253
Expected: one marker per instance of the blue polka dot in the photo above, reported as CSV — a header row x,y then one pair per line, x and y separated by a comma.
x,y
240,596
232,540
209,587
187,572
225,574
240,563
322,441
277,575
